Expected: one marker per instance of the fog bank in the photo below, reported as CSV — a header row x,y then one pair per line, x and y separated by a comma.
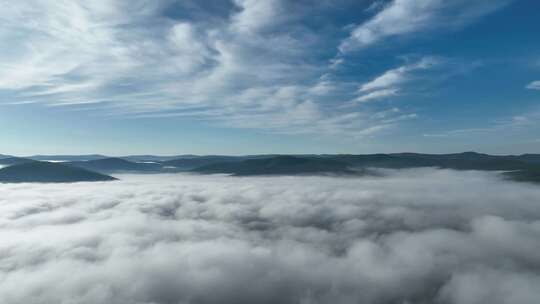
x,y
412,236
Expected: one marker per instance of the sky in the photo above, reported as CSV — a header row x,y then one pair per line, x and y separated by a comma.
x,y
172,77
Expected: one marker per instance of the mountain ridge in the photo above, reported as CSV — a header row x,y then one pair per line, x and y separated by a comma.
x,y
278,165
47,172
270,164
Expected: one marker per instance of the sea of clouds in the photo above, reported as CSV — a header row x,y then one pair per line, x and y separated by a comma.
x,y
410,236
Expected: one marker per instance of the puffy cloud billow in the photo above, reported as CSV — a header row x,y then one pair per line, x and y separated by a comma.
x,y
411,236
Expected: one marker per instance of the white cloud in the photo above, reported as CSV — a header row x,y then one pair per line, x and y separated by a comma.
x,y
505,126
251,67
459,132
423,236
375,6
256,14
388,84
377,94
129,60
535,85
403,17
397,76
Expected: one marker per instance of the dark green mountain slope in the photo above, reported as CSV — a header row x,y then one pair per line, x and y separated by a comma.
x,y
45,172
278,165
381,161
529,158
458,161
194,162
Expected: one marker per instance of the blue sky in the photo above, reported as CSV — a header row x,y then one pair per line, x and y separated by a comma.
x,y
269,76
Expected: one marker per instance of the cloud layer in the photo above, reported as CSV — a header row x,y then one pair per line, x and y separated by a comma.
x,y
413,236
241,64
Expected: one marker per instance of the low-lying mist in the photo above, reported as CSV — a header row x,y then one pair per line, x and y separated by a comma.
x,y
409,236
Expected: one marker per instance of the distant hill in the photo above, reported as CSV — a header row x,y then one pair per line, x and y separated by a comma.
x,y
46,172
472,156
199,161
291,164
9,161
66,158
278,165
458,161
529,158
113,164
357,163
452,156
381,161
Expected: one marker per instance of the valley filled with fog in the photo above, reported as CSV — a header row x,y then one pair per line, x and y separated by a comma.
x,y
406,236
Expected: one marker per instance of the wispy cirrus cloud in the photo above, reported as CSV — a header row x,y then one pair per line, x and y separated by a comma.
x,y
507,125
404,17
219,62
389,83
534,85
377,94
131,60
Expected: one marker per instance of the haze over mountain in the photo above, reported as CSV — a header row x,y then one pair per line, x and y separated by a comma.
x,y
156,158
65,158
113,164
